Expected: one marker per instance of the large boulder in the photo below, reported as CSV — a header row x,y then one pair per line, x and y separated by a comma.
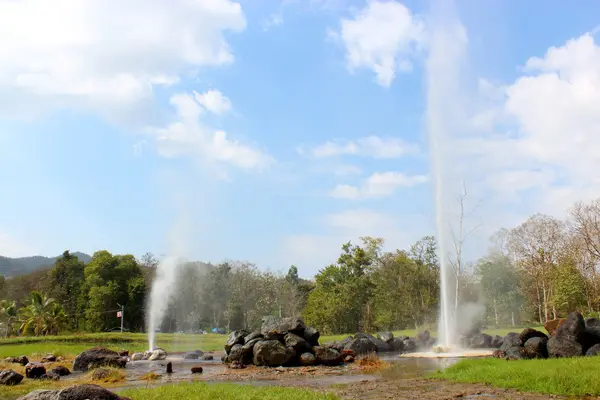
x,y
516,353
327,356
563,347
274,328
386,336
536,347
252,336
78,392
9,377
497,341
270,353
361,346
98,357
41,394
157,354
480,341
60,370
21,360
397,344
236,353
409,344
311,335
593,351
297,342
35,370
340,345
552,325
529,333
235,337
512,339
571,328
307,359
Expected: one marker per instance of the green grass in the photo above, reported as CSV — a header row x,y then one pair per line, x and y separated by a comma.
x,y
223,391
560,376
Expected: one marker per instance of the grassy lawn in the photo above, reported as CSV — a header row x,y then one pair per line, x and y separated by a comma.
x,y
223,391
561,376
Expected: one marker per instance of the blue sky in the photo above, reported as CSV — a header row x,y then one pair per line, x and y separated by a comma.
x,y
273,131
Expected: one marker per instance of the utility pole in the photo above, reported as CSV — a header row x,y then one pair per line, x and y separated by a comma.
x,y
122,315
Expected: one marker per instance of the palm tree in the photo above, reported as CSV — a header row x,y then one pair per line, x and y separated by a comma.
x,y
39,313
9,315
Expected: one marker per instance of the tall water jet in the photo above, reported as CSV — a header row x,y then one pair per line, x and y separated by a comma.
x,y
447,42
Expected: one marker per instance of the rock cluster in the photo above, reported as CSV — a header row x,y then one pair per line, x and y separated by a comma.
x,y
570,337
280,342
33,370
98,357
151,355
363,343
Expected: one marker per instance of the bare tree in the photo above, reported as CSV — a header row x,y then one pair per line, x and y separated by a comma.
x,y
458,240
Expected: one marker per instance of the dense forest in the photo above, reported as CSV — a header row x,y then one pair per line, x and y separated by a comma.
x,y
537,271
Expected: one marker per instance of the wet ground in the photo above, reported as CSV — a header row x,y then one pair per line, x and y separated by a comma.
x,y
402,378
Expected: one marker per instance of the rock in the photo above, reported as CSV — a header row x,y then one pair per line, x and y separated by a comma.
x,y
512,339
35,370
41,394
592,325
51,376
297,343
409,345
123,353
311,335
497,342
137,356
49,358
274,327
98,357
252,336
22,360
327,356
100,374
571,328
307,359
423,336
236,353
157,354
386,336
10,360
361,346
9,377
207,357
236,365
381,346
498,354
515,353
235,337
340,345
348,359
593,351
61,371
270,353
91,392
249,347
552,325
529,333
480,341
536,347
169,368
397,344
196,369
192,355
563,346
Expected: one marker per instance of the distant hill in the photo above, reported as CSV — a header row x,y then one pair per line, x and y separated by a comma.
x,y
24,265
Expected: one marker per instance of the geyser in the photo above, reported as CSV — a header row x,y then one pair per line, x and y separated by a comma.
x,y
162,286
447,41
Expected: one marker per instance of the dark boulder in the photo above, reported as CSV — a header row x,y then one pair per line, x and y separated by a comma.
x,y
169,367
480,341
386,336
311,335
123,353
41,394
409,345
423,336
49,358
50,376
35,370
512,339
191,355
22,360
361,346
571,328
593,351
252,336
236,353
297,343
98,357
381,346
529,333
208,357
248,347
536,347
9,377
397,344
498,353
340,345
270,353
515,353
276,328
592,325
559,346
497,342
61,371
307,359
235,337
90,392
196,369
327,356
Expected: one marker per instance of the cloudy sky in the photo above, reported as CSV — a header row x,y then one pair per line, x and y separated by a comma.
x,y
274,131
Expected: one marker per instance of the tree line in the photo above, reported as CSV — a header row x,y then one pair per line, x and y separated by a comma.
x,y
539,270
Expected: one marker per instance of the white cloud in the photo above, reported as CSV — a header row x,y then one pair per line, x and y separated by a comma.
x,y
214,101
370,146
189,135
380,184
382,37
313,251
106,55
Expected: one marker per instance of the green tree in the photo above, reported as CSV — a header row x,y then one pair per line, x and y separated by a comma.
x,y
569,287
67,279
8,315
38,313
